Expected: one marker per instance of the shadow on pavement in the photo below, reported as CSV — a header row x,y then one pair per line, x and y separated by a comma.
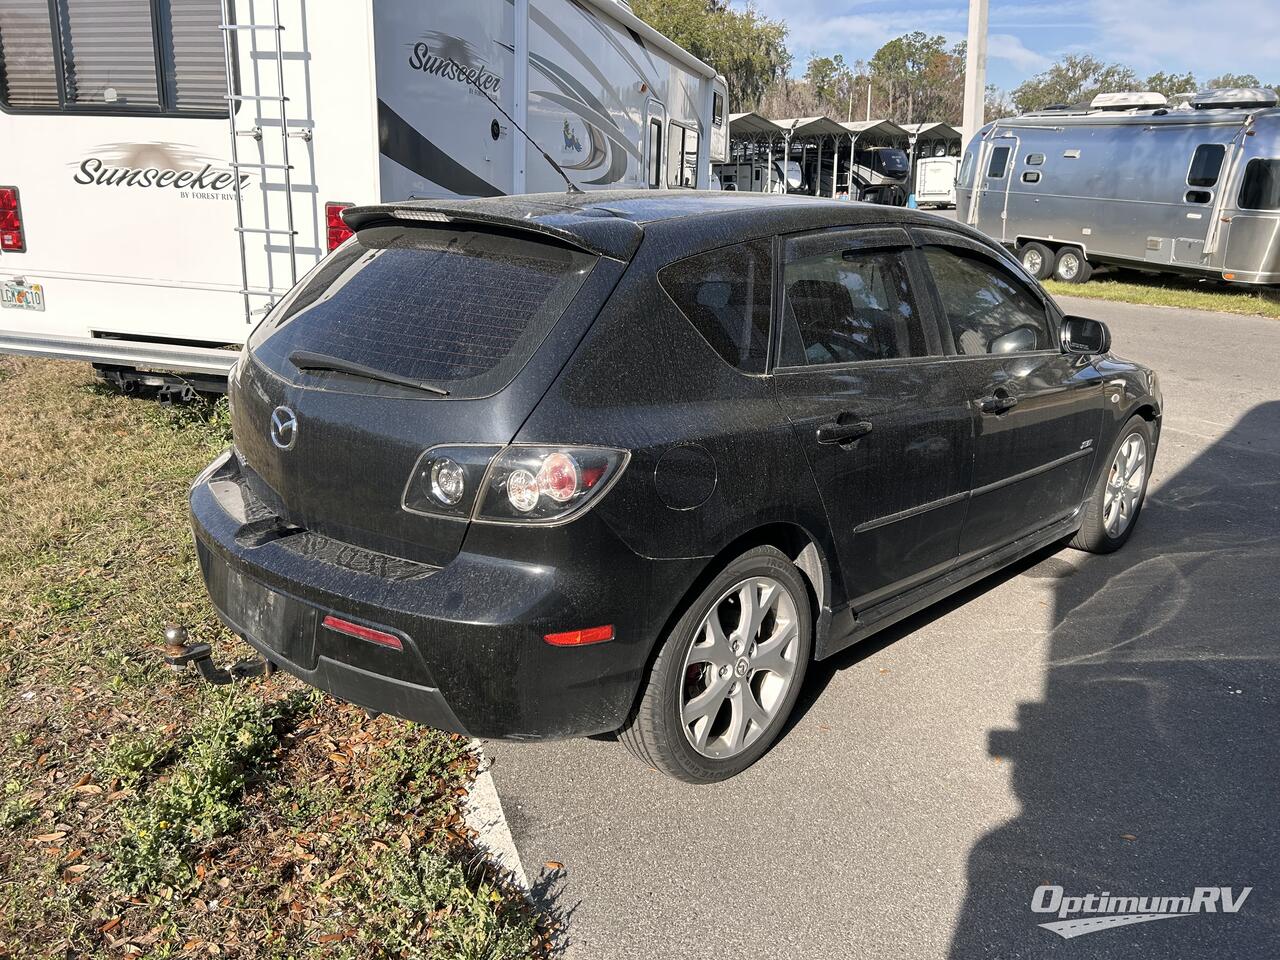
x,y
1152,764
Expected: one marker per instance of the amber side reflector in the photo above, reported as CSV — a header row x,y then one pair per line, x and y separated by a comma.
x,y
363,633
1228,276
579,638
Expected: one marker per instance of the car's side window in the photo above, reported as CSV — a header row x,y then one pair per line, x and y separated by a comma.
x,y
845,306
988,309
726,294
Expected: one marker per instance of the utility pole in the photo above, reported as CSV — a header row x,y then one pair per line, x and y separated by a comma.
x,y
975,71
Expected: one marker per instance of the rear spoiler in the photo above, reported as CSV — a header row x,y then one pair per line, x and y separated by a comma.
x,y
159,357
588,229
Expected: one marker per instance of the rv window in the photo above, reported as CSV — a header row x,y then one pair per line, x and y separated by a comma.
x,y
682,156
466,309
725,293
655,154
984,303
1035,159
966,170
844,307
998,163
1206,164
28,70
1031,176
717,108
128,56
1198,196
1261,188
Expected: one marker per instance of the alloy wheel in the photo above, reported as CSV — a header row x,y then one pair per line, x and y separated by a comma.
x,y
1033,261
1124,485
740,667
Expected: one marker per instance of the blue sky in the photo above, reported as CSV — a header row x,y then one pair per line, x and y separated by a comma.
x,y
1208,38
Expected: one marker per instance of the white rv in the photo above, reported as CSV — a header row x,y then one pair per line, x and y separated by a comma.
x,y
936,181
146,226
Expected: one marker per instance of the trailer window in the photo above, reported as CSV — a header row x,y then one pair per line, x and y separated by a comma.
x,y
726,293
998,163
129,56
655,154
682,156
1206,164
1261,187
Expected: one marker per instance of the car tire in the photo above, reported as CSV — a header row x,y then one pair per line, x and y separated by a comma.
x,y
1037,259
1105,531
744,704
1071,266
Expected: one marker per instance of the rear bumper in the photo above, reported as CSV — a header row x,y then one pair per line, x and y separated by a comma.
x,y
473,659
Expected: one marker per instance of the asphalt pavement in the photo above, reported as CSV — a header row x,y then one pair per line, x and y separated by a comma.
x,y
1103,724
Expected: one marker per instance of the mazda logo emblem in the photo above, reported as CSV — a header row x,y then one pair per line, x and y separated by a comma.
x,y
284,428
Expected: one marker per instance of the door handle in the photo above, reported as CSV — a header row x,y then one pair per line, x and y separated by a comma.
x,y
999,402
836,432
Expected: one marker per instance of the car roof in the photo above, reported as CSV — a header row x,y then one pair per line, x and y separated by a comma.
x,y
611,222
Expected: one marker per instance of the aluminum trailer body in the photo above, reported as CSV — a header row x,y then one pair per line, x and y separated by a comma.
x,y
1191,190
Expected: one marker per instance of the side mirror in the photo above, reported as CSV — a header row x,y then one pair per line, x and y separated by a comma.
x,y
1085,337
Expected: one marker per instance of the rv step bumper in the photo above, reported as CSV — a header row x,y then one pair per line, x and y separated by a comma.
x,y
169,357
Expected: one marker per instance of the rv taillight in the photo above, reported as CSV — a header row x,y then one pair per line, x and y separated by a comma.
x,y
338,230
12,239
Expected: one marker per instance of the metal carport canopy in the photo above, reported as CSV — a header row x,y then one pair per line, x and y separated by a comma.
x,y
752,125
876,128
931,131
812,127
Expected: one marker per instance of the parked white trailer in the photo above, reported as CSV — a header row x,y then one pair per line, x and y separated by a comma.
x,y
936,181
146,227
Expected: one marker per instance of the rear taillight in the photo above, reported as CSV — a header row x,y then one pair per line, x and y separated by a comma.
x,y
12,238
516,484
338,229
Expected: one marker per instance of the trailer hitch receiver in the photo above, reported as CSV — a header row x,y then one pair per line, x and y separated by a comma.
x,y
179,654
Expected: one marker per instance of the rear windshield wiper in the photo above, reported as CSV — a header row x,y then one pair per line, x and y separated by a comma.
x,y
306,360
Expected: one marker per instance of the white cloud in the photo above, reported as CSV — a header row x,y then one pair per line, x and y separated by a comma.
x,y
1229,35
1005,46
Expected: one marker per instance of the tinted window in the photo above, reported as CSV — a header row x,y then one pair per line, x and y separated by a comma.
x,y
998,162
122,56
443,306
989,311
1261,187
966,170
1035,159
725,293
1206,164
841,307
1031,176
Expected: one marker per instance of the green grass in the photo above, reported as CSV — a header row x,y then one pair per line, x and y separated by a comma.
x,y
1168,291
144,813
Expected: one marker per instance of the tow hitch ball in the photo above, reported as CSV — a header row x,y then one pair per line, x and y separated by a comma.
x,y
179,654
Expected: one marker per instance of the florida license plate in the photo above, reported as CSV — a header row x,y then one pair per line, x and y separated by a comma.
x,y
21,296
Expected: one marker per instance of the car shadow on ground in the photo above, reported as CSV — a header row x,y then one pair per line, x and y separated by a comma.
x,y
1152,764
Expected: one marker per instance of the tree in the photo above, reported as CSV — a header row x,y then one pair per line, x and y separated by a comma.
x,y
748,48
1229,80
919,75
1074,79
1171,84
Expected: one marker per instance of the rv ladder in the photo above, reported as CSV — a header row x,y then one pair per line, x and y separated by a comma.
x,y
229,28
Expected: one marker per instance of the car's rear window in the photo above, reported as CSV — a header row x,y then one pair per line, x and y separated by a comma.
x,y
464,310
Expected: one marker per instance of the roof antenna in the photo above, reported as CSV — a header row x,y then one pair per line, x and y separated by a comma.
x,y
573,187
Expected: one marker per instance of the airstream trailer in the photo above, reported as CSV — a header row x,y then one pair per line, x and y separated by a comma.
x,y
1131,182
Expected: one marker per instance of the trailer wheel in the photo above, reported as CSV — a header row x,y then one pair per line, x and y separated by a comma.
x,y
1037,259
1071,266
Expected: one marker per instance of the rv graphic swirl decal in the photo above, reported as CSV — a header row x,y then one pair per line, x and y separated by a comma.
x,y
456,61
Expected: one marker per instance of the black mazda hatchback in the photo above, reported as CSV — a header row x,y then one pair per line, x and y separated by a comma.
x,y
561,465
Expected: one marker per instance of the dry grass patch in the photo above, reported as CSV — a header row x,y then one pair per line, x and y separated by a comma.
x,y
147,814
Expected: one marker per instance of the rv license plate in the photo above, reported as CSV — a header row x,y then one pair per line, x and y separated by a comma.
x,y
21,296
